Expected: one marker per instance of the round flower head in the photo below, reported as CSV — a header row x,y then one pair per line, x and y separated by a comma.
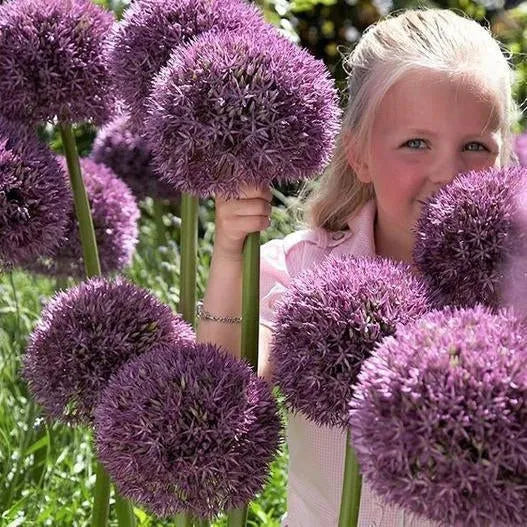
x,y
467,232
85,335
187,428
235,108
51,61
439,418
329,321
122,149
34,197
150,29
115,215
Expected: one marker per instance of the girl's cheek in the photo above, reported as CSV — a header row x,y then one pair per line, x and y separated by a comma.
x,y
412,178
483,163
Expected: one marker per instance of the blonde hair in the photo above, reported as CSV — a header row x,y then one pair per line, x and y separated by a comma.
x,y
415,40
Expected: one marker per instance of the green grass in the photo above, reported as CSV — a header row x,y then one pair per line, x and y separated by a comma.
x,y
47,470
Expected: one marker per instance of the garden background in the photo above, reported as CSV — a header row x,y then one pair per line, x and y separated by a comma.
x,y
45,482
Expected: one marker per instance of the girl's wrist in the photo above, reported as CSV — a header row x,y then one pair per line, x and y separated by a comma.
x,y
226,251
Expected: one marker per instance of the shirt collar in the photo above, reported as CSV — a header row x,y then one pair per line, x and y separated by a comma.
x,y
361,225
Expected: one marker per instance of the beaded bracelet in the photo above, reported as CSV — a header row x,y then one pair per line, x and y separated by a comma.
x,y
205,315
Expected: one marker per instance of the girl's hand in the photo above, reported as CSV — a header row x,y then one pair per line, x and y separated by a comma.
x,y
237,217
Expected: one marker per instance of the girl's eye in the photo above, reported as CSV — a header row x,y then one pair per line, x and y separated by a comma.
x,y
482,149
413,144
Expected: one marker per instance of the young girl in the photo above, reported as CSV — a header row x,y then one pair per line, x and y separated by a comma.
x,y
429,97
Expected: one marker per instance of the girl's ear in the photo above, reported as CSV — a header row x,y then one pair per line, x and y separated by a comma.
x,y
356,160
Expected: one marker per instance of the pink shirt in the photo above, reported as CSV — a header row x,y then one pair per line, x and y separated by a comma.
x,y
316,454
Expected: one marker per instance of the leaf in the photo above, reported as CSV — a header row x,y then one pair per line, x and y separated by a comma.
x,y
37,445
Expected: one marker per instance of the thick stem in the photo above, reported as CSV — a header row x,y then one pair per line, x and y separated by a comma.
x,y
82,205
351,488
189,255
124,512
250,327
237,517
187,283
183,520
251,299
101,502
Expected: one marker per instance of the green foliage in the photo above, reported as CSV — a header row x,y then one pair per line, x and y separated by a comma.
x,y
511,29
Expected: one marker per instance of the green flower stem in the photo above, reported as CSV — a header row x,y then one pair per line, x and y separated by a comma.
x,y
124,512
351,488
251,299
101,504
93,268
196,521
189,255
237,517
183,520
187,283
250,321
82,205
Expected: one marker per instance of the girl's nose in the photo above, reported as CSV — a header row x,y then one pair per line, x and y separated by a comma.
x,y
445,170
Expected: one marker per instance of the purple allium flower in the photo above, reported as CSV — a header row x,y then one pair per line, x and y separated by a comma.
x,y
115,215
187,428
328,323
122,149
467,232
439,418
520,147
235,108
34,197
52,63
85,335
142,42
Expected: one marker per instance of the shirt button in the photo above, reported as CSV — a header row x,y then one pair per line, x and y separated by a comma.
x,y
337,235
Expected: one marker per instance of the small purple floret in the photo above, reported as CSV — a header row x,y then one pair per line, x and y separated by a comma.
x,y
85,335
439,418
329,322
187,428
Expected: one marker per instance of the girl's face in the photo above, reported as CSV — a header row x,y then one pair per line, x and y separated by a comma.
x,y
427,130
